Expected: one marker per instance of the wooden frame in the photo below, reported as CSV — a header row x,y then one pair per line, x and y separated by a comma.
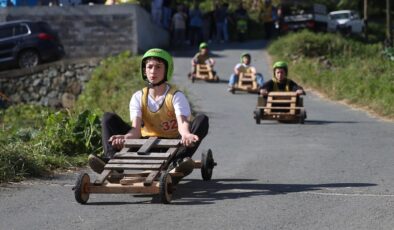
x,y
281,106
142,166
246,82
204,72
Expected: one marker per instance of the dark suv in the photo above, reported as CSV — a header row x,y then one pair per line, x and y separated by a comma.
x,y
26,44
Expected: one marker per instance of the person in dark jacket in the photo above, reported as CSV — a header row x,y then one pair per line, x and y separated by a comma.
x,y
280,82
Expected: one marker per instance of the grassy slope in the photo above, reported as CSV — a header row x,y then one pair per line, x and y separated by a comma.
x,y
341,68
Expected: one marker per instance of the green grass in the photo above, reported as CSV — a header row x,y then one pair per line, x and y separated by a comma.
x,y
343,69
36,140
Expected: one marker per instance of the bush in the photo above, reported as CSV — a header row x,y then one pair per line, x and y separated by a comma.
x,y
35,140
342,69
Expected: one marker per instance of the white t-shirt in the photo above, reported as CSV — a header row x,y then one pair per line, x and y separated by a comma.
x,y
243,66
181,105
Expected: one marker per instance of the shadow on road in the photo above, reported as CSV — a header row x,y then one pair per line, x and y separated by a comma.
x,y
322,122
197,192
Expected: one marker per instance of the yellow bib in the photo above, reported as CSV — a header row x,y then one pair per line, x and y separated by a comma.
x,y
162,123
276,88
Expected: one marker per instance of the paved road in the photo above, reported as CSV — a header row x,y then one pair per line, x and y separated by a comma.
x,y
334,172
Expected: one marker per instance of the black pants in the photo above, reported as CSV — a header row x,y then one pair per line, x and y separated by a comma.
x,y
112,124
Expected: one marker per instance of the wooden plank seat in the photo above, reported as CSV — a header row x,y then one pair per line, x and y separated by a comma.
x,y
142,159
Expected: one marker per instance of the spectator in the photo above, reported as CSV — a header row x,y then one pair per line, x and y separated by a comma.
x,y
241,18
221,22
156,9
267,19
179,26
196,23
166,14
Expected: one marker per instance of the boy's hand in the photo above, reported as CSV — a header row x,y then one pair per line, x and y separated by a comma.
x,y
300,92
117,141
263,92
189,139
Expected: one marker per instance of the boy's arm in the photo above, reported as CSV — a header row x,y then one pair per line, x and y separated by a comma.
x,y
296,88
187,138
134,133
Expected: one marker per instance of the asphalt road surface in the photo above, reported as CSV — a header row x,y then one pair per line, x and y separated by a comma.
x,y
334,172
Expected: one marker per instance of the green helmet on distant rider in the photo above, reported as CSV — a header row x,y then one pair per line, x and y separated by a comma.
x,y
163,56
203,45
280,65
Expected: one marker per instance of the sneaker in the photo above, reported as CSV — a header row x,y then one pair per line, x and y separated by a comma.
x,y
186,166
96,163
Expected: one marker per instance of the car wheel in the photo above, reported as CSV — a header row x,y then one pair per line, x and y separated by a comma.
x,y
28,59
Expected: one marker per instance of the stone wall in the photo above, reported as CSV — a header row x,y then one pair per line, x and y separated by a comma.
x,y
97,30
57,85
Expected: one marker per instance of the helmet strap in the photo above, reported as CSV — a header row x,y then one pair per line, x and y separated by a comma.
x,y
151,85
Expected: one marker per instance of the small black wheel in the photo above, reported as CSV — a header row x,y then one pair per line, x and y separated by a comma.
x,y
217,79
257,116
193,78
302,116
81,189
166,188
232,91
207,164
28,59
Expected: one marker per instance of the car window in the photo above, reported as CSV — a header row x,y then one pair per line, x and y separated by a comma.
x,y
6,32
20,30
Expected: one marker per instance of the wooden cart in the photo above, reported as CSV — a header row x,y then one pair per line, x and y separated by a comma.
x,y
142,166
204,72
246,82
281,106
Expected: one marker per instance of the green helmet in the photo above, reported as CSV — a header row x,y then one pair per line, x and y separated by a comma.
x,y
203,45
280,64
245,54
163,55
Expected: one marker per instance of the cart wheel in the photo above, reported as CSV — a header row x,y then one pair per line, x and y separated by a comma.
x,y
166,188
302,116
81,189
232,91
217,79
207,164
257,116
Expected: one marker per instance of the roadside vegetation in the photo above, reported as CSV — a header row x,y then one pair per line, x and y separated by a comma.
x,y
341,68
36,140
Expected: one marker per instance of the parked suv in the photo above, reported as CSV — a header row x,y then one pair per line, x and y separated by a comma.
x,y
26,43
346,21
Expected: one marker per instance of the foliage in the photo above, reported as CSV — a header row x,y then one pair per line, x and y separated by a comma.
x,y
112,85
35,140
341,68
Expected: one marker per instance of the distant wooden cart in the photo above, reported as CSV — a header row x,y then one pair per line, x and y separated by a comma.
x,y
281,106
142,166
246,82
204,72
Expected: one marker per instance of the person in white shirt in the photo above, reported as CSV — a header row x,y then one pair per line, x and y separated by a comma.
x,y
158,110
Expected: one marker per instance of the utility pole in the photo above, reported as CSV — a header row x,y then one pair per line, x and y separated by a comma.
x,y
366,19
388,23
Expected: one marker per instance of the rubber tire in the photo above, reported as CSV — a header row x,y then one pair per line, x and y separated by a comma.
x,y
207,164
28,54
257,116
165,188
302,116
81,196
193,78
